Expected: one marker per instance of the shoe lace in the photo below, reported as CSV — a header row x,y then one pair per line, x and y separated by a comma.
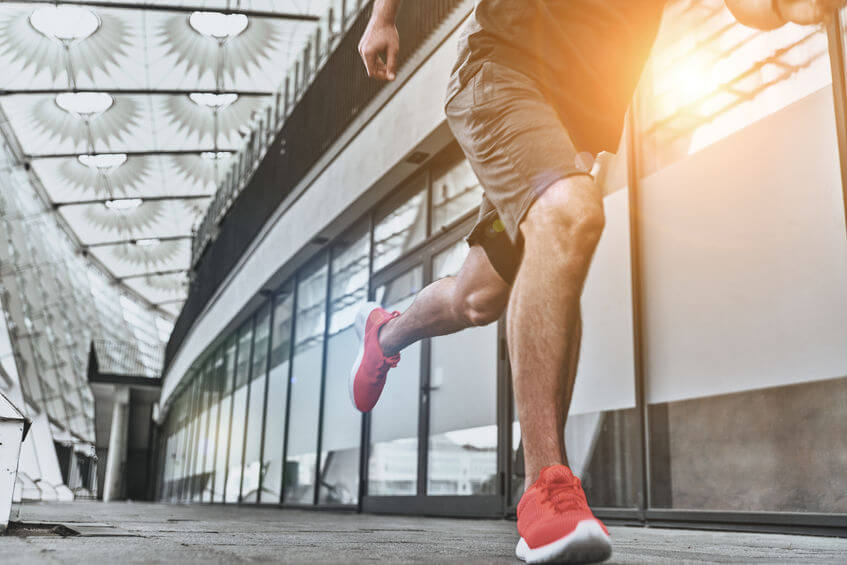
x,y
385,364
566,495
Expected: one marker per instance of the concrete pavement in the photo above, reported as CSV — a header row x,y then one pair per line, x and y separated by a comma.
x,y
129,532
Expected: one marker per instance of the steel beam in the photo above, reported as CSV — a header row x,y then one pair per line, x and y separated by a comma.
x,y
184,9
134,240
154,274
142,153
143,198
173,301
139,91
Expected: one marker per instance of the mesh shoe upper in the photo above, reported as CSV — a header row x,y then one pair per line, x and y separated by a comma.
x,y
369,378
552,507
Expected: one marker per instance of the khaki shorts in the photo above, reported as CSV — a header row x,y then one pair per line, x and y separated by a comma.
x,y
517,145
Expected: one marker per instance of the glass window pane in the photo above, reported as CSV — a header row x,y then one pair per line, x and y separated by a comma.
x,y
256,407
393,461
455,189
190,427
401,223
201,441
341,421
167,481
212,444
239,412
199,437
709,77
462,434
277,394
306,384
225,370
769,463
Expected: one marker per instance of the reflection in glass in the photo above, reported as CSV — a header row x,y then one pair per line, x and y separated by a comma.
x,y
185,471
255,408
341,421
213,387
239,412
198,482
792,462
225,372
191,447
277,394
455,189
401,224
689,98
306,384
462,434
393,460
603,451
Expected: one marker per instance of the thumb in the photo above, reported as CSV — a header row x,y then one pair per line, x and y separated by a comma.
x,y
391,62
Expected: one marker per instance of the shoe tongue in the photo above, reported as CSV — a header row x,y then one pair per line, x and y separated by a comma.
x,y
556,474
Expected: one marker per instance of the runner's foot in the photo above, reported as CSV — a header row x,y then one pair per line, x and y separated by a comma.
x,y
556,524
368,375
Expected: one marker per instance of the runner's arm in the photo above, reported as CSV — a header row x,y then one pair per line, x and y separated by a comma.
x,y
771,14
380,42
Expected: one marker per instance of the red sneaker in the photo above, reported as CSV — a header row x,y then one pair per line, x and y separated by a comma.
x,y
368,375
556,524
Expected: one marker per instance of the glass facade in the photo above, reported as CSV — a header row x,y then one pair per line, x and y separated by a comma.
x,y
663,379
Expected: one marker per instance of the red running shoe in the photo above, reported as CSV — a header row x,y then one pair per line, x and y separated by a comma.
x,y
368,375
556,524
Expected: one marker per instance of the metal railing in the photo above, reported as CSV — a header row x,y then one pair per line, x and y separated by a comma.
x,y
323,93
123,358
265,124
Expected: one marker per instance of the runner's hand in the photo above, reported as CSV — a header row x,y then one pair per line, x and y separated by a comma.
x,y
378,47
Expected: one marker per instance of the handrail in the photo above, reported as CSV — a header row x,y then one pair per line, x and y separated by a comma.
x,y
265,123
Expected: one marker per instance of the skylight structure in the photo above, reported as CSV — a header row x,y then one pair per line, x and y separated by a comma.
x,y
122,111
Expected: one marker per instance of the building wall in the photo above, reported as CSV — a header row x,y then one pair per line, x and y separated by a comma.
x,y
742,264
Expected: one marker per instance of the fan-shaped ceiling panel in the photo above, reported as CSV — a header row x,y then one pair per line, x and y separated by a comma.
x,y
144,256
96,224
160,288
172,308
118,175
88,123
129,113
96,47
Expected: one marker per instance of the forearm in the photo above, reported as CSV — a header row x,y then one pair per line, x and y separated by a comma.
x,y
771,14
808,12
385,11
759,14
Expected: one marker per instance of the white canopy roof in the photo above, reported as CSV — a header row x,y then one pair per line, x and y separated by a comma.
x,y
128,113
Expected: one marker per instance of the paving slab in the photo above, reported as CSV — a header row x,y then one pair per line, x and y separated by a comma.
x,y
127,532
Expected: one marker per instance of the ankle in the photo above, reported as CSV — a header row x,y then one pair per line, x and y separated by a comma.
x,y
386,344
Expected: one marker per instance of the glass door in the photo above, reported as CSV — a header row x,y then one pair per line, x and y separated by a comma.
x,y
434,440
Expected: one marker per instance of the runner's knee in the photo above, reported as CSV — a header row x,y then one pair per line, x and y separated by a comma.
x,y
569,212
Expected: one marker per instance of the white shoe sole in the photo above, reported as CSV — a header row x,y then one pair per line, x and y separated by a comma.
x,y
361,320
588,543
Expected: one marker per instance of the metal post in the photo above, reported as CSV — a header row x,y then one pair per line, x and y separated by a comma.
x,y
291,351
839,96
327,306
271,304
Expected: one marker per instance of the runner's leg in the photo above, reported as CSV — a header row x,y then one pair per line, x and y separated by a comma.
x,y
474,297
560,233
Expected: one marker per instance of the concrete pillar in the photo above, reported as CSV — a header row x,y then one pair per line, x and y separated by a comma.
x,y
11,435
113,485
